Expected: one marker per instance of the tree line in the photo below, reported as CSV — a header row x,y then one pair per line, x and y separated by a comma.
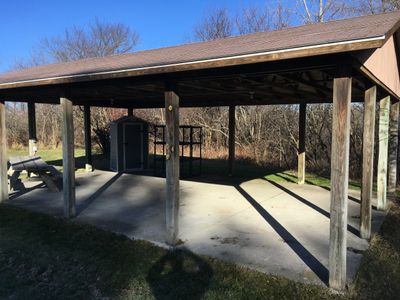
x,y
266,135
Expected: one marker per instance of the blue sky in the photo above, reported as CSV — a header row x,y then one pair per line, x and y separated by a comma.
x,y
160,23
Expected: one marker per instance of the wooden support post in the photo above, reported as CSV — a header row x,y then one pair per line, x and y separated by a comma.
x,y
88,138
393,147
339,182
130,112
32,128
368,162
68,157
232,124
384,108
3,155
301,155
172,166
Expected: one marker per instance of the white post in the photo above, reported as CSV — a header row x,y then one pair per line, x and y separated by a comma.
x,y
383,153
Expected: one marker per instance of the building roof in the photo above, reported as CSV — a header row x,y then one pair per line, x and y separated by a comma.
x,y
332,37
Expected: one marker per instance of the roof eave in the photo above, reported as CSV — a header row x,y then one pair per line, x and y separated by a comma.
x,y
299,52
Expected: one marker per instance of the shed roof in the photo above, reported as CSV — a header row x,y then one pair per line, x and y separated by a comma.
x,y
332,37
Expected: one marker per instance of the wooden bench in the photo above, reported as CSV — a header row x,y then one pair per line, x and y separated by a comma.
x,y
35,165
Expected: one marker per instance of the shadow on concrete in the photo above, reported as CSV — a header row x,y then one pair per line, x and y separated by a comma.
x,y
323,212
180,274
322,187
86,203
310,260
17,194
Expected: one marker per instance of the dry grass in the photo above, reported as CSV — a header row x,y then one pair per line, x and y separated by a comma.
x,y
379,274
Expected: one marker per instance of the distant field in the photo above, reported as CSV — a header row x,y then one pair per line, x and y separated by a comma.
x,y
46,154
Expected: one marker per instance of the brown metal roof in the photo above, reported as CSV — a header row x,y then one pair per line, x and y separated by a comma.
x,y
331,37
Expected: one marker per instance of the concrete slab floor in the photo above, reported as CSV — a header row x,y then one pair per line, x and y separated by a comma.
x,y
277,228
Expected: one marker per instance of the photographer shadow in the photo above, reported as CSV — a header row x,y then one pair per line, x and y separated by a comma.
x,y
180,274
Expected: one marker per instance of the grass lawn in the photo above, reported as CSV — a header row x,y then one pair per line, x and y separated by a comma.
x,y
46,258
46,154
42,257
313,179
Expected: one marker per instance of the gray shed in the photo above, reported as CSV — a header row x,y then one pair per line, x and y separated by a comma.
x,y
129,151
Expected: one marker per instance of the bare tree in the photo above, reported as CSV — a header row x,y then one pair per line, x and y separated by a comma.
x,y
253,19
97,40
317,11
258,19
282,16
367,7
216,25
100,39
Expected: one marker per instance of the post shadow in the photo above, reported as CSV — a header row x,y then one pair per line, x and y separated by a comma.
x,y
87,202
323,212
325,188
310,260
180,274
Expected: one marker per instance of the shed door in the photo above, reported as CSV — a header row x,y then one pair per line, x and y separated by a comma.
x,y
133,146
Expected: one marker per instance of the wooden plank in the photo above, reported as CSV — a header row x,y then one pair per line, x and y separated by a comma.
x,y
384,108
3,157
32,128
393,146
40,164
232,125
368,162
88,138
28,163
172,166
68,157
49,181
339,182
16,163
301,154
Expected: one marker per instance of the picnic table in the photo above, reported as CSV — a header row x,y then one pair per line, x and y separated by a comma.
x,y
35,165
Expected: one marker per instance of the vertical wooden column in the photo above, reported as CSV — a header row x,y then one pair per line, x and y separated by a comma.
x,y
339,182
172,166
393,146
32,128
301,155
232,124
88,138
3,156
384,108
130,112
368,162
68,157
